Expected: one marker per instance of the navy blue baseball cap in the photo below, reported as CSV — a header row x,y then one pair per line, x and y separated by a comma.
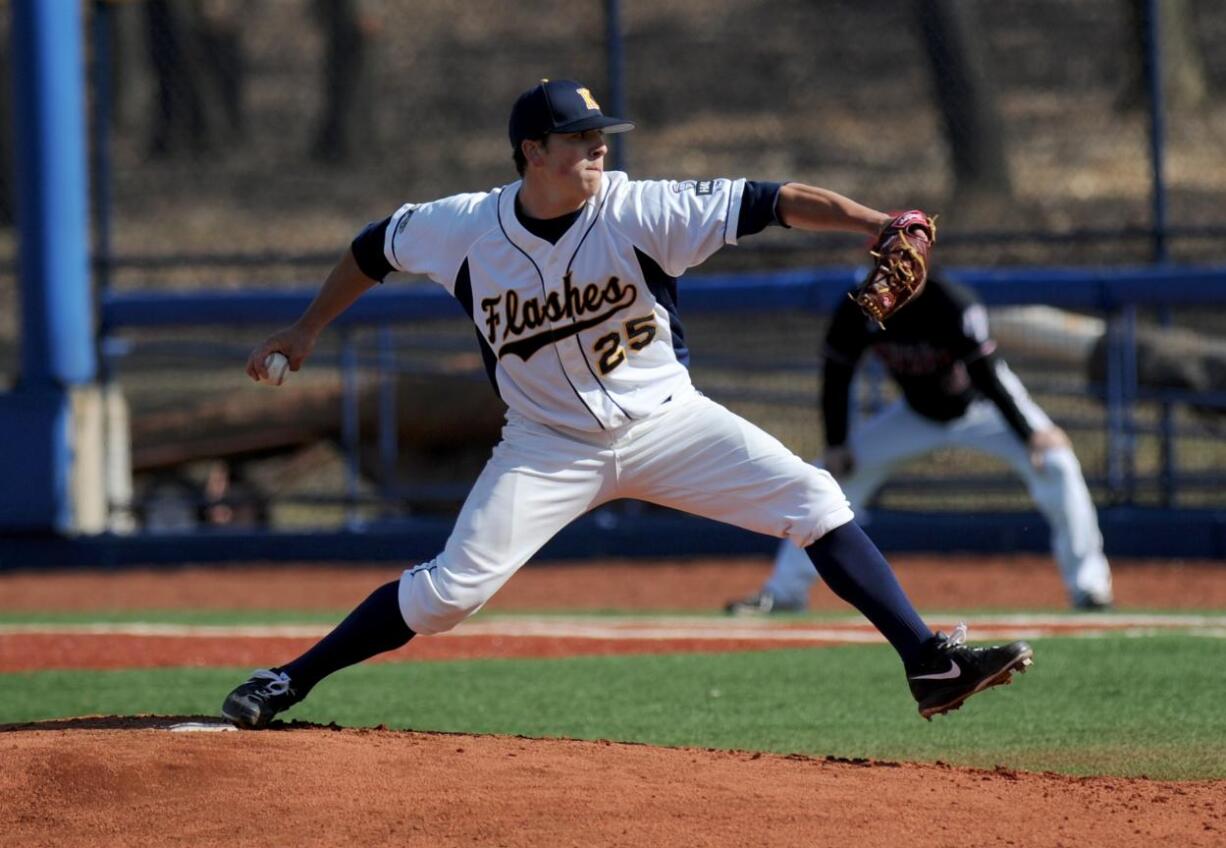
x,y
559,106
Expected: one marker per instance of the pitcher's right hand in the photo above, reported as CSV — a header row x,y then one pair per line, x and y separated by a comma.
x,y
295,342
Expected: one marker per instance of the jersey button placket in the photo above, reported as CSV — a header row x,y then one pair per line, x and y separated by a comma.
x,y
570,350
550,271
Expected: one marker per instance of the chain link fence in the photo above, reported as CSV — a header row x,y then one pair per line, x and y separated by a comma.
x,y
240,144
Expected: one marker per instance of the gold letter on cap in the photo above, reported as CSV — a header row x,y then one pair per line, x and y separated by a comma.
x,y
588,98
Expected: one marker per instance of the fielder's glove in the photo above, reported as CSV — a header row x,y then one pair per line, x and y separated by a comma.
x,y
900,267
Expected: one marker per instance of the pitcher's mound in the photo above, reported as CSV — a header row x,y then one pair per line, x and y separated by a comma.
x,y
105,780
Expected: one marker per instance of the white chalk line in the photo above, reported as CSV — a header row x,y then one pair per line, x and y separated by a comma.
x,y
692,628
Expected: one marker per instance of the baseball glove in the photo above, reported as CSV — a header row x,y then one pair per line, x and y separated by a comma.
x,y
900,265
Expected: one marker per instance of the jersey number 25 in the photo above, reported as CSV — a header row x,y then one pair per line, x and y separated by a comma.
x,y
609,350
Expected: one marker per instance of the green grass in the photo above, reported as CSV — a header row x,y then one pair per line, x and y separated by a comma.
x,y
1113,705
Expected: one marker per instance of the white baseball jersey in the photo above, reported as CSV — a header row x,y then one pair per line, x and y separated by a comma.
x,y
582,341
583,333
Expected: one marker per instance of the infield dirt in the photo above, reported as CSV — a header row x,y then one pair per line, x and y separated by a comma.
x,y
127,781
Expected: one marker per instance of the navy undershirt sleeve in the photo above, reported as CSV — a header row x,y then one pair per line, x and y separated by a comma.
x,y
846,340
367,249
836,399
759,203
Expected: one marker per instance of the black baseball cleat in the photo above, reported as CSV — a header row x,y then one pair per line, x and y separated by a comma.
x,y
950,671
1092,603
254,704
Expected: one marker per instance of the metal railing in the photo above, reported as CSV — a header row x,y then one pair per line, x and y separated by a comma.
x,y
1115,293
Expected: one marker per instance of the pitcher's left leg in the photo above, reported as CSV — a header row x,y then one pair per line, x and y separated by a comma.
x,y
705,460
880,445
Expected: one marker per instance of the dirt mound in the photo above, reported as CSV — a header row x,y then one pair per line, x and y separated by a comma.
x,y
108,781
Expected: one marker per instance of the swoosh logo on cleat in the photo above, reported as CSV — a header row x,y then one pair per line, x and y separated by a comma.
x,y
953,673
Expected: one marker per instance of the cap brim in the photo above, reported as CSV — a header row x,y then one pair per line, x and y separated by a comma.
x,y
596,122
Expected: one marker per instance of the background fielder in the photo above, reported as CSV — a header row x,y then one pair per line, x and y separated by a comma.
x,y
569,276
956,392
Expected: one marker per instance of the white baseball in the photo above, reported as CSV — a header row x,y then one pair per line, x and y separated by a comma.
x,y
277,365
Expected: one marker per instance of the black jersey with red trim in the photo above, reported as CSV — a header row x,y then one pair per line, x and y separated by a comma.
x,y
938,350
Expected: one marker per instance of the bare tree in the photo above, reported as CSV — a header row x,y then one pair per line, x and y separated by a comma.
x,y
966,96
197,61
350,29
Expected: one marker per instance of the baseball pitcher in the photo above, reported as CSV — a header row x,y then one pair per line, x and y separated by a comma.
x,y
570,276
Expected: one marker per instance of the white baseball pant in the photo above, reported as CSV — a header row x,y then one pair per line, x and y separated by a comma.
x,y
692,455
898,434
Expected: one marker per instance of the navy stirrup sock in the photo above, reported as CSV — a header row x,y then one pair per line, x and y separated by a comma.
x,y
374,627
856,571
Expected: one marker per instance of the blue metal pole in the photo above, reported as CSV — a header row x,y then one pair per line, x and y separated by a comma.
x,y
1157,132
1157,107
57,330
619,156
57,338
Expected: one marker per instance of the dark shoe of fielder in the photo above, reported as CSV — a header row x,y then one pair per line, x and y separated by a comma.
x,y
763,603
1092,603
950,671
254,703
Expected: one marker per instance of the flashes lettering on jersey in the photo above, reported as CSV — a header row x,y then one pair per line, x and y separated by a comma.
x,y
517,316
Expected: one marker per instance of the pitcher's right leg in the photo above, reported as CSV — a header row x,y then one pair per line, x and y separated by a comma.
x,y
536,482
